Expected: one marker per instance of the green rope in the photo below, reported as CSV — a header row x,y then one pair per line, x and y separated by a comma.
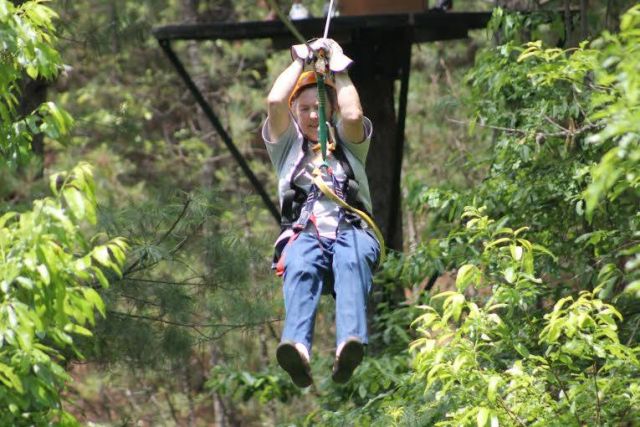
x,y
323,131
286,22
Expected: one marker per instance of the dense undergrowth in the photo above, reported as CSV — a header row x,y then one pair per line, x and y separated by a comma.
x,y
529,202
542,325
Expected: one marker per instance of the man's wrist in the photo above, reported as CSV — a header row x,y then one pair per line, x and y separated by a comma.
x,y
342,76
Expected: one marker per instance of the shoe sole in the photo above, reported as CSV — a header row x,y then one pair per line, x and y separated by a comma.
x,y
290,359
350,357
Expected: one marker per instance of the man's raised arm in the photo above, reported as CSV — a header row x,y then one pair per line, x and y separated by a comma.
x,y
350,109
278,99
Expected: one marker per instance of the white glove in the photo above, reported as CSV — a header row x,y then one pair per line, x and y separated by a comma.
x,y
338,61
301,51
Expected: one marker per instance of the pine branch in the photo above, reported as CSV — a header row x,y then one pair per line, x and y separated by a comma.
x,y
176,222
195,326
563,133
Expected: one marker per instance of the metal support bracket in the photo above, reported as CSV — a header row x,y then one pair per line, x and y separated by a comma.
x,y
210,114
405,71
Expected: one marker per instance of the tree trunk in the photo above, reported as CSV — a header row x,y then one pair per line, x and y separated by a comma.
x,y
584,21
219,419
33,93
378,61
567,24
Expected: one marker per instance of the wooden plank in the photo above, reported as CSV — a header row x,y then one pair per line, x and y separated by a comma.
x,y
446,22
369,7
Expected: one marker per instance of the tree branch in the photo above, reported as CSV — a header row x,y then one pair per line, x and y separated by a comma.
x,y
595,383
564,132
195,326
513,416
175,223
564,392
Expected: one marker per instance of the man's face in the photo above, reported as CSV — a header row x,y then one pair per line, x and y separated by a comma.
x,y
305,110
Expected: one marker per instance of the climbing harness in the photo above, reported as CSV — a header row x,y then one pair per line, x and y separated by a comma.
x,y
322,72
366,218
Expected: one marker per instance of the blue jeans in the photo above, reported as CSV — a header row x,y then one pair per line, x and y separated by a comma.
x,y
311,260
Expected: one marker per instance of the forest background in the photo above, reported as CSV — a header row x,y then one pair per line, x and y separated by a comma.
x,y
135,257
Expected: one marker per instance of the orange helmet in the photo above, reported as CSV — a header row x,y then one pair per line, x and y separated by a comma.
x,y
306,79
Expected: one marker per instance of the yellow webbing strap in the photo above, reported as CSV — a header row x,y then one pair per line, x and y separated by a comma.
x,y
317,180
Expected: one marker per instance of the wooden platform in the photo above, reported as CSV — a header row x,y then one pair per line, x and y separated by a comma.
x,y
427,26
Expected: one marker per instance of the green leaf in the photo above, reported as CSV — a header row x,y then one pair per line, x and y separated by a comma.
x,y
468,274
456,305
498,242
444,294
6,218
362,391
95,299
521,349
516,252
492,387
32,72
101,254
102,279
9,378
520,230
510,275
633,287
483,417
75,200
459,363
44,274
542,249
77,329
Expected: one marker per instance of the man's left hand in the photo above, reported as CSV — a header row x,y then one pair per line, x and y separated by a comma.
x,y
338,61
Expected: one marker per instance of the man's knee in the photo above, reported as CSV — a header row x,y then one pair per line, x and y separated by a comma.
x,y
348,262
299,266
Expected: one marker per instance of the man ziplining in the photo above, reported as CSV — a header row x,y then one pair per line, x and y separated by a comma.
x,y
328,244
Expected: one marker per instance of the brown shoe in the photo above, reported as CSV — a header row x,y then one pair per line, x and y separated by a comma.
x,y
296,365
347,360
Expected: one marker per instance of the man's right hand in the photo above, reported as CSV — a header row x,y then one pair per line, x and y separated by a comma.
x,y
302,51
338,61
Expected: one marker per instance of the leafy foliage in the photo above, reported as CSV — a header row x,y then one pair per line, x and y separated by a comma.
x,y
27,48
263,386
502,361
50,269
197,277
542,325
49,274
